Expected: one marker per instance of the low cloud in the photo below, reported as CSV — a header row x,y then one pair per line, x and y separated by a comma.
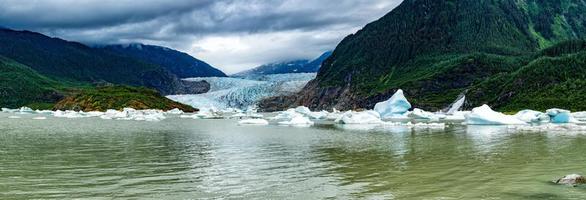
x,y
232,35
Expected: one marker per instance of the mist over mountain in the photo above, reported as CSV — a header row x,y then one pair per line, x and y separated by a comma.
x,y
296,66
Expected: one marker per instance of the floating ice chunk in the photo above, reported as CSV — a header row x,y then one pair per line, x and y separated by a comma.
x,y
297,121
286,115
253,122
366,117
333,116
39,118
531,116
580,116
68,114
564,128
456,106
48,112
419,114
175,111
484,115
238,115
397,105
303,110
14,117
24,110
559,116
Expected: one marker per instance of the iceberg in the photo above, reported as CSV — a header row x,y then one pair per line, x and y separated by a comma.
x,y
68,114
580,116
484,115
25,110
457,105
297,121
559,116
39,118
253,122
14,117
531,116
175,111
419,114
366,117
396,106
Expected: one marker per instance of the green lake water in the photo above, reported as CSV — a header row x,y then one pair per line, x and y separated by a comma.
x,y
217,159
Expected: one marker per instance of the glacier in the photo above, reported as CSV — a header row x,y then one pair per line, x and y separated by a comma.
x,y
227,92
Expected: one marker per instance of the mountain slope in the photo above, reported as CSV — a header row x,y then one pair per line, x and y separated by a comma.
x,y
436,50
22,86
70,61
181,64
297,66
118,97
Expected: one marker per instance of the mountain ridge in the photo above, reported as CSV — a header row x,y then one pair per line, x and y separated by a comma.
x,y
295,66
179,63
436,50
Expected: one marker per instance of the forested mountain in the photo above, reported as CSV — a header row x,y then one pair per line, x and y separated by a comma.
x,y
39,71
181,64
437,49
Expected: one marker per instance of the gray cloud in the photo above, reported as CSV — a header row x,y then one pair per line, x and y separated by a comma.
x,y
230,34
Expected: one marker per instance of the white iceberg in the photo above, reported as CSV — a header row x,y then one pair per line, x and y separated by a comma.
x,y
532,116
366,117
26,110
14,117
559,116
68,114
47,112
395,107
484,115
580,116
419,114
286,115
253,122
175,111
297,121
456,106
39,118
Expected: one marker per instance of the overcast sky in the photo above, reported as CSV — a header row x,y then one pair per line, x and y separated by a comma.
x,y
232,35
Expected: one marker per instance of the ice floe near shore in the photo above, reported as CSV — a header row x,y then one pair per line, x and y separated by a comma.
x,y
390,114
253,122
366,117
484,115
396,107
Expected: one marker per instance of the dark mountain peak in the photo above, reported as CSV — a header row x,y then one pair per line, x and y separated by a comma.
x,y
179,63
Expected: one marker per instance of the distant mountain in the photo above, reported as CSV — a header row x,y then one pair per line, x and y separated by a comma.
x,y
314,65
181,64
437,49
74,62
297,66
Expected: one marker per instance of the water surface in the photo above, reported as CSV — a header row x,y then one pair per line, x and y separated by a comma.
x,y
211,159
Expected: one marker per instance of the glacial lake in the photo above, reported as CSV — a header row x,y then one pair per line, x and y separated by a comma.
x,y
176,158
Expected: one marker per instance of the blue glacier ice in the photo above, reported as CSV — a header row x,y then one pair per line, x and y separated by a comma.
x,y
396,106
559,116
226,92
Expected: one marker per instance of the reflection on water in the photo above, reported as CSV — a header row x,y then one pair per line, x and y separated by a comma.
x,y
186,159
